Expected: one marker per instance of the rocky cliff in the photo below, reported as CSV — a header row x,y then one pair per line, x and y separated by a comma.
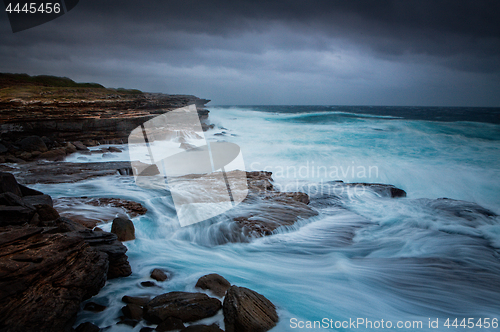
x,y
63,110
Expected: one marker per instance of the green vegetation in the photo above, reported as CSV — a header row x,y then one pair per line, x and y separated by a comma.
x,y
7,79
26,87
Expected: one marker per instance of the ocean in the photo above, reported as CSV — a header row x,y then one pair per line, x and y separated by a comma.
x,y
364,257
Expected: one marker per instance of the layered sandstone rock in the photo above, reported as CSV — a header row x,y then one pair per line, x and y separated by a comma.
x,y
48,264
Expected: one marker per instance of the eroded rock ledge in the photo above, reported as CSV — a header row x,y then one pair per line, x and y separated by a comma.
x,y
60,111
48,264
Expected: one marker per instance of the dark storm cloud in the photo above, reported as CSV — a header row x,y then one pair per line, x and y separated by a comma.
x,y
322,47
392,27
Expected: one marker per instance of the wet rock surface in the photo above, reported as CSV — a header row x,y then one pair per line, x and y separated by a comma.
x,y
248,311
77,209
169,324
265,208
62,172
217,284
159,275
44,277
186,306
123,228
49,264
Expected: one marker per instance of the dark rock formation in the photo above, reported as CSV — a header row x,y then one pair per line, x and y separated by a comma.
x,y
63,119
188,307
19,204
46,213
169,324
42,172
202,328
217,284
123,228
108,244
80,146
266,209
159,275
132,311
33,143
44,277
138,300
248,311
47,271
129,322
109,208
9,184
386,190
97,114
14,211
53,155
87,327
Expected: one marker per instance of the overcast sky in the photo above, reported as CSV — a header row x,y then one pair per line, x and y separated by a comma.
x,y
444,53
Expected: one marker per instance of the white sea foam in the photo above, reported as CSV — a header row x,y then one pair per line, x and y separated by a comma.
x,y
363,255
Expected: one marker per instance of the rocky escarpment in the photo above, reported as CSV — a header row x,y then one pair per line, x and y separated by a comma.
x,y
96,119
60,111
48,264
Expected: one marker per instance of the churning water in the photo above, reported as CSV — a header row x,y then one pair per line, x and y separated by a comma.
x,y
364,256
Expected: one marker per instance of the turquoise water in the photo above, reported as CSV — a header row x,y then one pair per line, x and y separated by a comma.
x,y
407,260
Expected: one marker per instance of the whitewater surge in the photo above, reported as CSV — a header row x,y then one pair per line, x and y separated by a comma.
x,y
365,255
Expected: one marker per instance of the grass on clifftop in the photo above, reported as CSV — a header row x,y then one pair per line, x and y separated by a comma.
x,y
23,86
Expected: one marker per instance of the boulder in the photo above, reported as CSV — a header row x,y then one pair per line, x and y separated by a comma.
x,y
187,146
25,191
25,155
159,275
37,200
90,142
186,306
169,324
9,184
33,143
70,148
217,284
123,228
53,155
132,311
114,149
14,210
80,146
138,300
248,311
46,212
